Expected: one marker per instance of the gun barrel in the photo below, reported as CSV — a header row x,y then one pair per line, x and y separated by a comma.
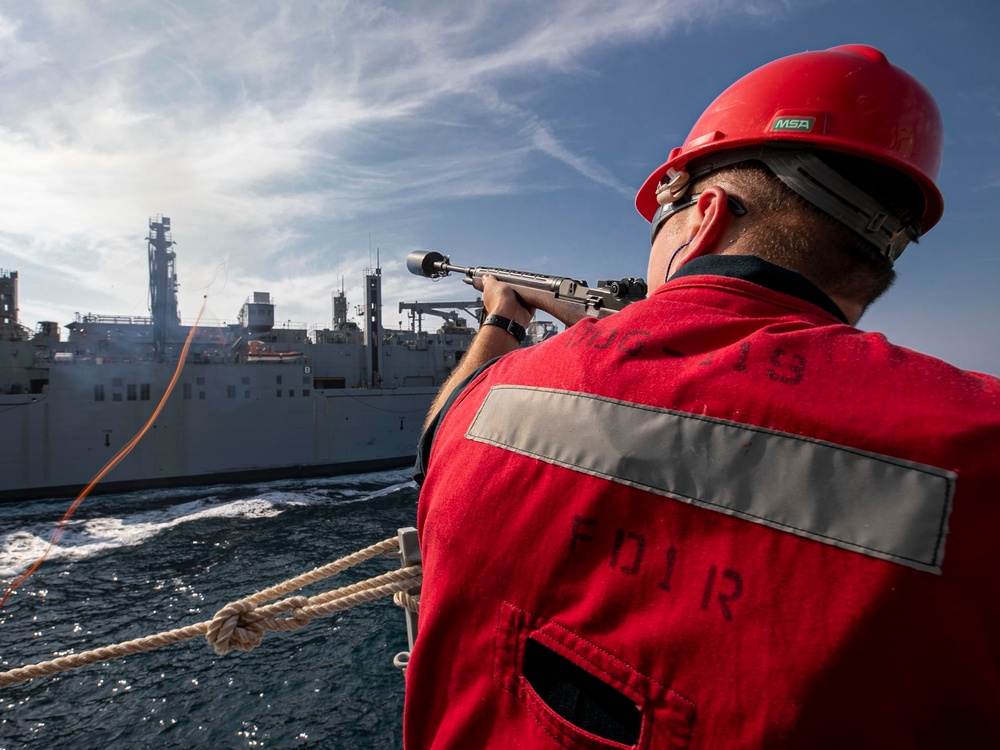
x,y
566,299
434,265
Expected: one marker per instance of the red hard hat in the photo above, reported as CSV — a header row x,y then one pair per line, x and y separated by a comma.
x,y
849,99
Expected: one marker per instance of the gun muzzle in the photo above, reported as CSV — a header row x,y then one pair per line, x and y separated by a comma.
x,y
433,265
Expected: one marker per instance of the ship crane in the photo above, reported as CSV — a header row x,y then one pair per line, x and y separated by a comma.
x,y
445,310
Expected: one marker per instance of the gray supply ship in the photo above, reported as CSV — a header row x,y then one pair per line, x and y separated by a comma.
x,y
254,401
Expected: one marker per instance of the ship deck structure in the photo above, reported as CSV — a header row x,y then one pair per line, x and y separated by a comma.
x,y
253,401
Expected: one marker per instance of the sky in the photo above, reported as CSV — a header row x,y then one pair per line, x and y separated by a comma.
x,y
293,143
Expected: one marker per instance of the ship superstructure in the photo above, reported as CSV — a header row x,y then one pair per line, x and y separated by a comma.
x,y
254,400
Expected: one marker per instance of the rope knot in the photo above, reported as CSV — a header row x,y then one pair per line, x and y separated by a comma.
x,y
236,625
242,625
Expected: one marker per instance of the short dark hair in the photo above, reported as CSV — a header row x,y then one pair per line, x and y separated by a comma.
x,y
784,228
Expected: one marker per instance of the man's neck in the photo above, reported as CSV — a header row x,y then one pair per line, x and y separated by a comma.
x,y
772,276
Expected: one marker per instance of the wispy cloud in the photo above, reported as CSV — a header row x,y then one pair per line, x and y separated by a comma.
x,y
276,130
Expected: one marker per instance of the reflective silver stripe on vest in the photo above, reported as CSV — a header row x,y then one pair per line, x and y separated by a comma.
x,y
885,507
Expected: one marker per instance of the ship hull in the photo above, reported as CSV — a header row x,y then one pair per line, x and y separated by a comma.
x,y
245,476
222,423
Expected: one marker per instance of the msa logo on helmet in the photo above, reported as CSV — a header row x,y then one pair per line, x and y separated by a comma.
x,y
802,124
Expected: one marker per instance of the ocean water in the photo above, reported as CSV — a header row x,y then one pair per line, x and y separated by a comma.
x,y
136,564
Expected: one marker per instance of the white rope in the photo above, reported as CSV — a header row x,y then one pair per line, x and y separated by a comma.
x,y
242,624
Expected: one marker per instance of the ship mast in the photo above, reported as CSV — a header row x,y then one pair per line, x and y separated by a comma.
x,y
8,299
162,282
373,323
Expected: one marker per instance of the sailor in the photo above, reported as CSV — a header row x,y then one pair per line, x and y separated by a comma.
x,y
725,517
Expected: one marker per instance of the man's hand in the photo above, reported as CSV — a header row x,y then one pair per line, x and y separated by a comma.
x,y
501,299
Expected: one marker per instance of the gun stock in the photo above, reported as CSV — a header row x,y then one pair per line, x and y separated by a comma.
x,y
567,300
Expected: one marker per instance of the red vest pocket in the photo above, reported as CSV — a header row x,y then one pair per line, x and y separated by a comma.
x,y
581,694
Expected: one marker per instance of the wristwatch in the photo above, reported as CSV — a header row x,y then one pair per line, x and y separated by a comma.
x,y
512,327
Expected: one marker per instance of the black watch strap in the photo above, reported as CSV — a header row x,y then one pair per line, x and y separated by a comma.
x,y
512,327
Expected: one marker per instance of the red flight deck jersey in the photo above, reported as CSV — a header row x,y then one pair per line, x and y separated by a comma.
x,y
747,523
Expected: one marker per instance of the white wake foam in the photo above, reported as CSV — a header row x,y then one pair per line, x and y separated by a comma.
x,y
83,538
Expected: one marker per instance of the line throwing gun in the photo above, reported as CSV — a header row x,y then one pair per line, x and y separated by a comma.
x,y
567,300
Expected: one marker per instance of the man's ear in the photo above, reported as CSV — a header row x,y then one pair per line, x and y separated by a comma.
x,y
709,222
